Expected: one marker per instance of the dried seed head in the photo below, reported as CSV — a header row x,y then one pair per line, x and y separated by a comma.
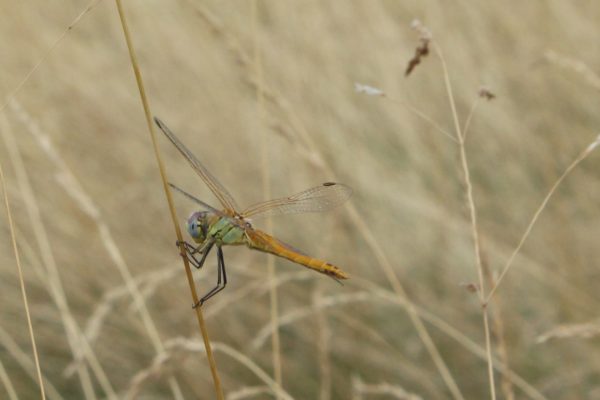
x,y
424,33
470,286
422,49
486,93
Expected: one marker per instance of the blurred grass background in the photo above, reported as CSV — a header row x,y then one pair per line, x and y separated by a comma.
x,y
197,63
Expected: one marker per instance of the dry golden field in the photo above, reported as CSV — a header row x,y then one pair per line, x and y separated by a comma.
x,y
266,90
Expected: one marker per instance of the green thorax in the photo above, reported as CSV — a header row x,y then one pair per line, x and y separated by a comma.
x,y
226,231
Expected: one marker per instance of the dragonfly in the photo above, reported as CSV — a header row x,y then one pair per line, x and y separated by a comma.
x,y
211,227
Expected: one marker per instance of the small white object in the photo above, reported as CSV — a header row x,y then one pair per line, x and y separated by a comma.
x,y
594,144
368,90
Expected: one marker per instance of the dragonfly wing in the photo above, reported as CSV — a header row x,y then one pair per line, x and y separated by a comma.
x,y
194,199
316,199
213,184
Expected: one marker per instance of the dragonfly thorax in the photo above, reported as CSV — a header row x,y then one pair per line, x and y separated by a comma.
x,y
221,229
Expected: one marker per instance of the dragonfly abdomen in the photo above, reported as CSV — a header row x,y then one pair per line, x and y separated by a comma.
x,y
261,241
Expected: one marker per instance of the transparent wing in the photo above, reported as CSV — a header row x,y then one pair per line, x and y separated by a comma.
x,y
316,199
195,200
213,184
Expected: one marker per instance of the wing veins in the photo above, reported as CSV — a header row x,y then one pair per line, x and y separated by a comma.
x,y
213,184
196,200
316,199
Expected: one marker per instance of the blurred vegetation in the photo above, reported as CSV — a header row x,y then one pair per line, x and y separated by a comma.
x,y
197,59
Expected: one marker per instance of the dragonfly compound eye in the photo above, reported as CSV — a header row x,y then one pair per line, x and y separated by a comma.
x,y
195,226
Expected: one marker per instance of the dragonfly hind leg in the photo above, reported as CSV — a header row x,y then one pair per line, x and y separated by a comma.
x,y
221,278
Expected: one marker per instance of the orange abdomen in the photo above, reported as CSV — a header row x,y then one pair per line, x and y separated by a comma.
x,y
261,241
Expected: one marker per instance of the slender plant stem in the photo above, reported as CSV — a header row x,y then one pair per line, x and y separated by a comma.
x,y
470,118
10,389
76,340
509,263
266,179
23,360
22,283
324,334
54,45
188,271
473,216
423,116
498,332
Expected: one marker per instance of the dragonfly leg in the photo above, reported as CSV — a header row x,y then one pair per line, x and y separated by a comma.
x,y
191,251
221,279
188,247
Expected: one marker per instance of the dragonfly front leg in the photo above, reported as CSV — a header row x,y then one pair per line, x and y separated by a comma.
x,y
221,279
191,251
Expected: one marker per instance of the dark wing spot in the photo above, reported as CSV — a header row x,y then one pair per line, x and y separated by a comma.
x,y
329,183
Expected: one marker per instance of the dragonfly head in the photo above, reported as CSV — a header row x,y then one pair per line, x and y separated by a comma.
x,y
197,226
